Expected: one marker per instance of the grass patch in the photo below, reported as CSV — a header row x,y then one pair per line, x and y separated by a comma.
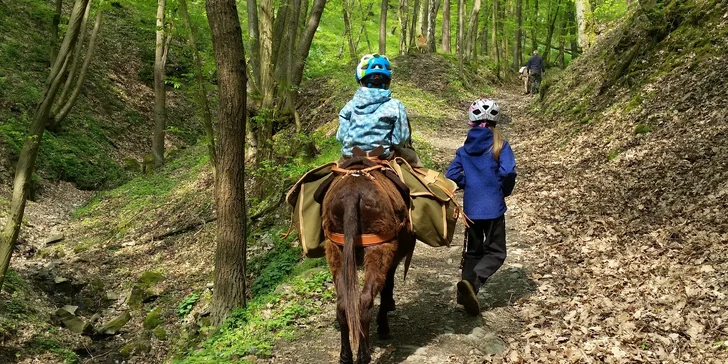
x,y
642,129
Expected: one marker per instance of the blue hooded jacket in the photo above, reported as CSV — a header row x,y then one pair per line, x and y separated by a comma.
x,y
485,181
370,119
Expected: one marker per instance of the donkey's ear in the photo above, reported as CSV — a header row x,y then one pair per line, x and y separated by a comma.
x,y
377,151
358,152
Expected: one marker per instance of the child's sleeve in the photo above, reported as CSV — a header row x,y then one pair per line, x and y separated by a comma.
x,y
401,133
507,170
455,171
344,122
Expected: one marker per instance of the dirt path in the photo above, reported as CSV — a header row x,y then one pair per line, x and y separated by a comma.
x,y
428,326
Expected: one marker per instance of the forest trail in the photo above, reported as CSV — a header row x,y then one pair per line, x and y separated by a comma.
x,y
428,326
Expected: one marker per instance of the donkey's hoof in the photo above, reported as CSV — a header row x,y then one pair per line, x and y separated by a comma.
x,y
387,305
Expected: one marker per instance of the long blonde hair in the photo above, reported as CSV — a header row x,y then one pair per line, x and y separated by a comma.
x,y
497,142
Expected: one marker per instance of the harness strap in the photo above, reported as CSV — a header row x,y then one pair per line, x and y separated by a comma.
x,y
363,240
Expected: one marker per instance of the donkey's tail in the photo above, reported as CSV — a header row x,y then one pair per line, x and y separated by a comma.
x,y
351,281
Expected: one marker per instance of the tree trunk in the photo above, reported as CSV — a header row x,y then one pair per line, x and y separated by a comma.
x,y
518,52
534,26
472,29
383,28
553,15
201,88
64,108
403,26
54,31
460,46
362,30
446,43
413,24
160,96
562,33
29,153
230,255
254,34
432,25
494,38
424,16
306,38
583,19
349,36
74,68
291,50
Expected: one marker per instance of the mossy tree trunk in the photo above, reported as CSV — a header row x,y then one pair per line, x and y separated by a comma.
x,y
42,117
230,254
160,92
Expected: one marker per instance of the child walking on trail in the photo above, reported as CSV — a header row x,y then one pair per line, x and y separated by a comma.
x,y
485,168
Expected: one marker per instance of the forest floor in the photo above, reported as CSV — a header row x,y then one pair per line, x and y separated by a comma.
x,y
428,326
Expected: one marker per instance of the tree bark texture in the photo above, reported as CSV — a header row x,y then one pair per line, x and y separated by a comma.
x,y
254,34
494,38
383,27
424,16
306,38
583,19
446,43
402,14
553,15
461,32
413,25
472,30
518,52
54,30
160,94
230,254
202,101
432,24
29,153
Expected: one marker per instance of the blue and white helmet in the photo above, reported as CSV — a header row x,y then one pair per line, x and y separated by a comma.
x,y
373,64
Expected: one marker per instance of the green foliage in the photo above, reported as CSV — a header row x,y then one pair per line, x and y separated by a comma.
x,y
274,266
612,155
254,329
642,129
187,304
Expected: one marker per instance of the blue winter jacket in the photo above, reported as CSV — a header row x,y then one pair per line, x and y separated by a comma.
x,y
370,119
485,181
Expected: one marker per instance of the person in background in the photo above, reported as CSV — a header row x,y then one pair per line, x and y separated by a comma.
x,y
536,70
373,117
485,168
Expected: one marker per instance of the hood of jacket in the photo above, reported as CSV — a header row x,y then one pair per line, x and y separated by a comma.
x,y
479,140
368,100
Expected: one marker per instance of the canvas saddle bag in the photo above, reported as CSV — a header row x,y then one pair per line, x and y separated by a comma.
x,y
434,211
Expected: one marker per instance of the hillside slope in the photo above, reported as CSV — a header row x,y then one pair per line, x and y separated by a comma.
x,y
626,190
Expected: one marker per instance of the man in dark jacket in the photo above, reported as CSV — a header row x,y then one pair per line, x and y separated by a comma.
x,y
536,70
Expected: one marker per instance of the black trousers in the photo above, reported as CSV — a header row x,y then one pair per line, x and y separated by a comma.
x,y
485,250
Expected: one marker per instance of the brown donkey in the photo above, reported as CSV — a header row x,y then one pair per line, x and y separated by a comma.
x,y
365,212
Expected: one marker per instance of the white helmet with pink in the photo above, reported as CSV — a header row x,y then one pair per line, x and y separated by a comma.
x,y
482,110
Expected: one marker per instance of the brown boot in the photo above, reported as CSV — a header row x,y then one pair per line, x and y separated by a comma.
x,y
466,296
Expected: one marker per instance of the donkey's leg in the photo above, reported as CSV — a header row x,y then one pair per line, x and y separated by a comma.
x,y
334,258
386,304
377,262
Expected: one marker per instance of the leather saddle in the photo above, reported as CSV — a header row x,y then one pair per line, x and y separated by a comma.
x,y
361,160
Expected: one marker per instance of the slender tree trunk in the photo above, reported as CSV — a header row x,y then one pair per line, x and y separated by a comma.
x,y
74,68
413,24
291,50
552,26
64,108
54,31
461,31
29,153
383,27
432,25
494,38
264,126
347,30
472,29
518,52
571,21
254,34
403,26
202,101
534,27
446,43
363,30
306,38
562,34
424,16
160,95
230,255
